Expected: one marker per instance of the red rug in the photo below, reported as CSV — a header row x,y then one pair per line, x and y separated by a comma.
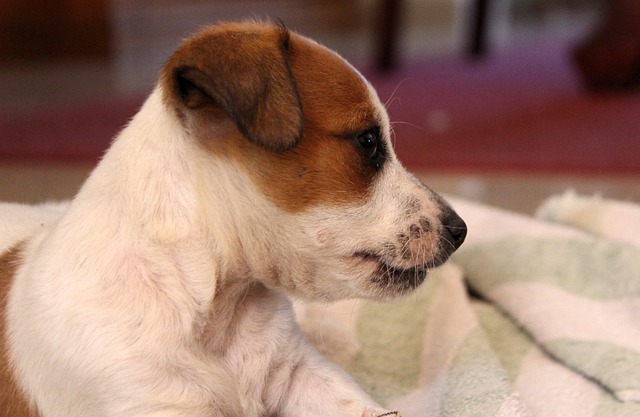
x,y
521,109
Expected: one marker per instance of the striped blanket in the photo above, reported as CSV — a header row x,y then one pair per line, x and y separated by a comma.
x,y
533,317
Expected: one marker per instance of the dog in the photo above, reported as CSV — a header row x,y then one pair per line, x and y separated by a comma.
x,y
259,170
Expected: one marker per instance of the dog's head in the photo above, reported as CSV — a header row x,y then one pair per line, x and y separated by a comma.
x,y
325,210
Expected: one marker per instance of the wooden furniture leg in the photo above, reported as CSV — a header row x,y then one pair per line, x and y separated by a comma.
x,y
478,33
387,34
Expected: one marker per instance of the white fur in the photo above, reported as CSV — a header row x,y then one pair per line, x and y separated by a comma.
x,y
155,294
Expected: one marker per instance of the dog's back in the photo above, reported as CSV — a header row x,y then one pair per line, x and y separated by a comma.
x,y
18,222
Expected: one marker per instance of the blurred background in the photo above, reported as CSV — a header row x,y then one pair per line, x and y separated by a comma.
x,y
501,101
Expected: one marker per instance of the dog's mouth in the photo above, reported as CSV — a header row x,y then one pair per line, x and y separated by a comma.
x,y
394,278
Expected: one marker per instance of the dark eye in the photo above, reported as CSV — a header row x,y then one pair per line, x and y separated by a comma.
x,y
369,142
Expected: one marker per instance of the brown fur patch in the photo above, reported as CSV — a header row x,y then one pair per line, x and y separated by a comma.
x,y
326,168
243,69
12,400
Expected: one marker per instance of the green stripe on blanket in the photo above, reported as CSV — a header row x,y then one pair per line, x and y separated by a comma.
x,y
622,365
610,407
590,268
475,385
509,342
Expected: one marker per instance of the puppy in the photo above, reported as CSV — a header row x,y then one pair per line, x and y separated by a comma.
x,y
259,169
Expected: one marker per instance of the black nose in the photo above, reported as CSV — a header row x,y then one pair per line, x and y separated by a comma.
x,y
454,230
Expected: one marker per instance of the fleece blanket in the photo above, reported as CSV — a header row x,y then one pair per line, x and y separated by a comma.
x,y
534,316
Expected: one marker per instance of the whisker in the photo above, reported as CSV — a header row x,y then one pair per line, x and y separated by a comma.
x,y
393,132
391,100
400,122
392,135
393,94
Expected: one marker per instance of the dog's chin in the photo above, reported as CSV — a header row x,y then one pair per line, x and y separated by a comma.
x,y
386,281
397,282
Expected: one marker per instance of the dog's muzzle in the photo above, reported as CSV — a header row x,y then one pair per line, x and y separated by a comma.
x,y
403,265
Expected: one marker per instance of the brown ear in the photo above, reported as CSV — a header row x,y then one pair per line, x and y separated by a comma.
x,y
242,69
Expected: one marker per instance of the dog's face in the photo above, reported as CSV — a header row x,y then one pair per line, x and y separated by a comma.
x,y
332,213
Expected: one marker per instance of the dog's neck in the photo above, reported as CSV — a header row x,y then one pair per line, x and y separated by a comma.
x,y
237,306
155,185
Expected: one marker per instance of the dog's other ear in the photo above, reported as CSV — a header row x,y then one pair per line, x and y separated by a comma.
x,y
244,70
